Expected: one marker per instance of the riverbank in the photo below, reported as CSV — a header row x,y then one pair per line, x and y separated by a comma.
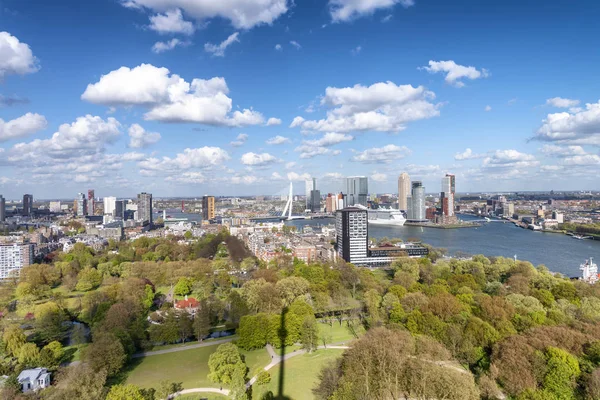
x,y
446,226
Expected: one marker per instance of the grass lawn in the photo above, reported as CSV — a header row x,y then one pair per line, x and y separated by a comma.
x,y
301,374
338,333
256,360
190,367
186,344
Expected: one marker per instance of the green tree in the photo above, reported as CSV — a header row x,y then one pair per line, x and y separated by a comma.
x,y
292,288
201,322
50,322
105,353
29,355
125,392
225,363
52,354
309,334
184,286
79,382
13,338
88,279
562,370
263,378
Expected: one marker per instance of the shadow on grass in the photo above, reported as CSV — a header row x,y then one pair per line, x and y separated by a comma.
x,y
122,376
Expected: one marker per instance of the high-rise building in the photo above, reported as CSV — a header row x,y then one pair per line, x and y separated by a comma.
x,y
331,203
81,205
352,234
110,203
13,257
309,186
2,209
119,210
418,212
315,200
447,195
55,206
403,191
144,211
208,208
357,190
27,205
91,201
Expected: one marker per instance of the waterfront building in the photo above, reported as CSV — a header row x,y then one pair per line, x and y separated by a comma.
x,y
447,195
357,190
208,208
91,201
417,210
144,207
508,210
80,205
351,228
2,209
15,256
315,201
309,186
403,191
27,205
558,216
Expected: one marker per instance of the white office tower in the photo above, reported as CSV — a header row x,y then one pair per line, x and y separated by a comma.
x,y
309,186
357,190
448,193
352,234
403,191
110,203
81,205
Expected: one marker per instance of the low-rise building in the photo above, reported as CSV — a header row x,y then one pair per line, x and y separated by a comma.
x,y
34,379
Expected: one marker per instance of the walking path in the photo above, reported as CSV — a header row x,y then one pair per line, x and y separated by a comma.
x,y
184,348
224,392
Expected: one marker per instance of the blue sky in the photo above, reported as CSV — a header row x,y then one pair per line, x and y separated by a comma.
x,y
187,97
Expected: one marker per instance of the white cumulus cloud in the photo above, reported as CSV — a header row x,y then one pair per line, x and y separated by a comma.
x,y
218,50
329,139
455,72
16,58
562,151
20,127
383,106
258,160
139,138
278,140
346,10
239,140
273,122
294,176
171,22
382,155
379,177
509,159
467,155
160,47
169,98
295,44
576,127
201,158
243,14
560,102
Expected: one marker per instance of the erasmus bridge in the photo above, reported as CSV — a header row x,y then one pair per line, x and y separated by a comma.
x,y
290,211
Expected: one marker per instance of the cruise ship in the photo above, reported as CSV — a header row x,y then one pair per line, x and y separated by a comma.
x,y
384,216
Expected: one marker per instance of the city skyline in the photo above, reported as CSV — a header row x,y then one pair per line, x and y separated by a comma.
x,y
195,101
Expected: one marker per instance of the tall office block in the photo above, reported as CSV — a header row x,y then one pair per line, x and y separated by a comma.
x,y
110,203
352,234
119,210
27,205
2,209
403,191
208,208
447,194
144,207
331,203
315,200
80,205
13,257
357,190
309,186
91,202
417,206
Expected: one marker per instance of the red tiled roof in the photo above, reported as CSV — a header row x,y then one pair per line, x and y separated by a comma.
x,y
189,303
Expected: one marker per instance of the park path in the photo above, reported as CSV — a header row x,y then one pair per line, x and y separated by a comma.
x,y
224,392
184,348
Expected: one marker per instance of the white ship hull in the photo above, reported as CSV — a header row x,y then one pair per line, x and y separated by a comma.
x,y
390,222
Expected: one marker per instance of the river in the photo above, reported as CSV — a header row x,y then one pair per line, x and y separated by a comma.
x,y
558,252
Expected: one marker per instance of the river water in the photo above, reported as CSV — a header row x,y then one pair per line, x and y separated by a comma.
x,y
558,252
